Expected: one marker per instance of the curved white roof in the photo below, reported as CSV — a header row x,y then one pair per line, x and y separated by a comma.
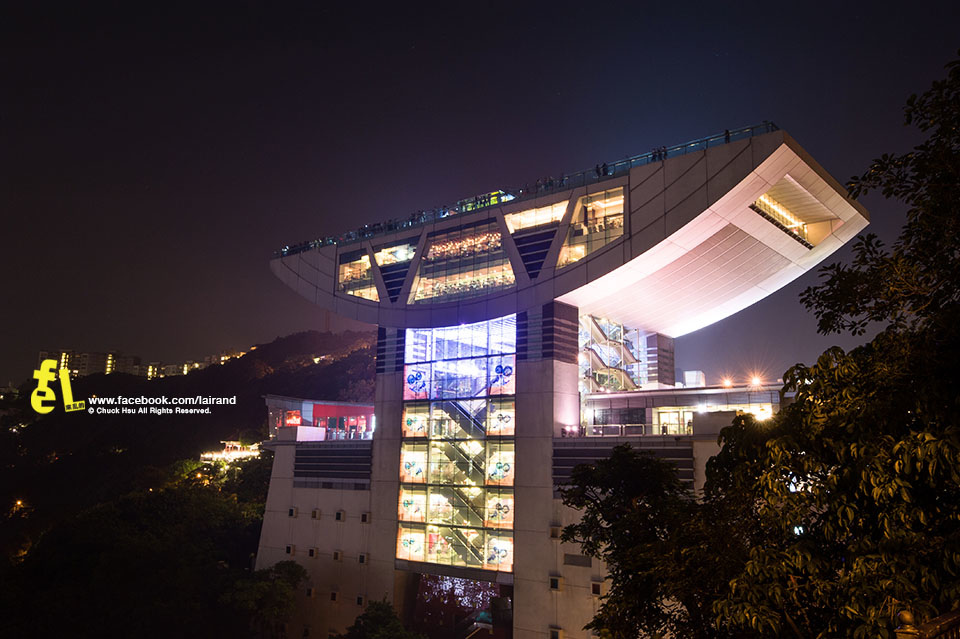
x,y
695,248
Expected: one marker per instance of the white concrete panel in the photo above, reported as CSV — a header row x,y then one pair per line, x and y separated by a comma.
x,y
745,193
762,146
641,193
686,184
683,212
570,277
307,290
544,293
345,308
282,269
646,214
445,315
368,313
849,229
724,177
311,257
720,157
500,306
604,261
639,174
647,237
704,226
676,168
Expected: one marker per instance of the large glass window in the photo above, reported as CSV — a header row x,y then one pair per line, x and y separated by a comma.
x,y
462,263
532,218
597,221
413,504
416,419
457,459
395,253
355,276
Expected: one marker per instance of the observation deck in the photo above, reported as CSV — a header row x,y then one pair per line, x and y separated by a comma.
x,y
691,233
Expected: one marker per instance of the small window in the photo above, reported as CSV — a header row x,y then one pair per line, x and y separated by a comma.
x,y
341,515
556,633
337,555
555,532
362,558
360,600
334,596
315,513
596,589
291,549
310,592
292,512
365,518
556,583
312,552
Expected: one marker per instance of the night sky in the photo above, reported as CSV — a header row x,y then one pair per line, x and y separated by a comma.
x,y
151,159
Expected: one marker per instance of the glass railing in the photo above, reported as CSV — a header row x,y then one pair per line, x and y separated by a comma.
x,y
599,173
626,430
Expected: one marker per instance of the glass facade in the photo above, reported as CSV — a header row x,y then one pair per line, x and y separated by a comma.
x,y
395,253
533,218
611,357
457,455
461,263
597,221
355,277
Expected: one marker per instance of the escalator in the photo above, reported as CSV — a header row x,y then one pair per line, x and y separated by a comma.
x,y
463,416
599,366
470,554
460,460
600,337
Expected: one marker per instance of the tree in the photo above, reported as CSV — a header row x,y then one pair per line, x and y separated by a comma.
x,y
378,621
267,598
844,508
857,483
669,555
150,564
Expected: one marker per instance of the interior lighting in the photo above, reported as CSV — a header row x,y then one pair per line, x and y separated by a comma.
x,y
780,210
605,203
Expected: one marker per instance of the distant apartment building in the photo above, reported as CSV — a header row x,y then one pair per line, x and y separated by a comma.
x,y
81,364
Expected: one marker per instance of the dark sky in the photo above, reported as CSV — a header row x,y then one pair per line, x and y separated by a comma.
x,y
152,158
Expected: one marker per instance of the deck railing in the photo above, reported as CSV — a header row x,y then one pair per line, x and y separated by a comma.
x,y
625,430
599,173
943,627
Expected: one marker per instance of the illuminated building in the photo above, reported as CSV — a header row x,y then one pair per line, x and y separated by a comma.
x,y
81,364
519,334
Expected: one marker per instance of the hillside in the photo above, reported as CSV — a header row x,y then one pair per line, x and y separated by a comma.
x,y
60,464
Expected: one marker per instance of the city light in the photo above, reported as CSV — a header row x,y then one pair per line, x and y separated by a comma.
x,y
727,382
755,380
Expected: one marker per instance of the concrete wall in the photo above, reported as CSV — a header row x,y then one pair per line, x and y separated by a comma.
x,y
547,400
324,534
